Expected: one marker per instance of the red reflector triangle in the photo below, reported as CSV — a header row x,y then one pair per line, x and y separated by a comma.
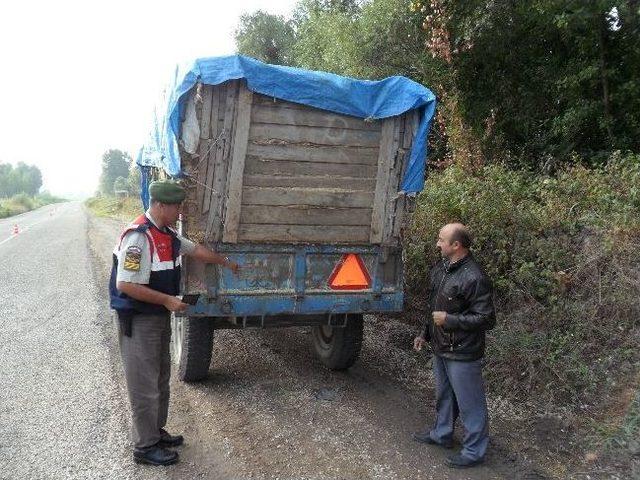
x,y
350,274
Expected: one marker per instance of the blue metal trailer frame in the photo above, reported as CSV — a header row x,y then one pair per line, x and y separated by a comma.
x,y
299,288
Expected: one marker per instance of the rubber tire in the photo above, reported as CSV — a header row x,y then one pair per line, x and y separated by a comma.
x,y
338,348
196,347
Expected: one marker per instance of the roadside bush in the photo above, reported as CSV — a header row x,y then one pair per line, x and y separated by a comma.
x,y
16,205
122,208
560,251
22,203
45,198
22,200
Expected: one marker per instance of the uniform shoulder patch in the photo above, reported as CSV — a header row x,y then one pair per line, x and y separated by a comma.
x,y
132,257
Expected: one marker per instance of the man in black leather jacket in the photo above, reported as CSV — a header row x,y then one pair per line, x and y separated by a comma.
x,y
461,310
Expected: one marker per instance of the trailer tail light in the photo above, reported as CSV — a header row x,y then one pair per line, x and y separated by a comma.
x,y
350,274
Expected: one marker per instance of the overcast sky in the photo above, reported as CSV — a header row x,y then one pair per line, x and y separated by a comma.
x,y
80,77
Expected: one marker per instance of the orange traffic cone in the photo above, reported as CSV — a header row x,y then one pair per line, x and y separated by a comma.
x,y
16,230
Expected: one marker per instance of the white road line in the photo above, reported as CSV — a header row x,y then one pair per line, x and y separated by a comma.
x,y
7,239
22,230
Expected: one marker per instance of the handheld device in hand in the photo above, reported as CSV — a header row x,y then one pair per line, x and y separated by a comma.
x,y
191,299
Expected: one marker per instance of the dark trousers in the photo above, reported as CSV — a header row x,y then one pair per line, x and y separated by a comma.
x,y
147,369
460,391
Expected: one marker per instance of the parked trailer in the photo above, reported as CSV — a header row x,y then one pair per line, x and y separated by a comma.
x,y
307,200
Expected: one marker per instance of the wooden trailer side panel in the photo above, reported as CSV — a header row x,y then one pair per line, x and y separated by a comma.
x,y
272,171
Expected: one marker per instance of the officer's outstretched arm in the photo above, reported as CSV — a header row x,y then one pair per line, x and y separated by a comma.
x,y
208,256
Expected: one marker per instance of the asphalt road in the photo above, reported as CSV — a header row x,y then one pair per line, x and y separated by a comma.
x,y
61,406
268,409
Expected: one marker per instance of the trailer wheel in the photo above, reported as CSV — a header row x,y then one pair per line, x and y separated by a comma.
x,y
191,345
339,347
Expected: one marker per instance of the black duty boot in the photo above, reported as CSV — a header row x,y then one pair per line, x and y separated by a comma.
x,y
460,461
425,437
155,455
167,440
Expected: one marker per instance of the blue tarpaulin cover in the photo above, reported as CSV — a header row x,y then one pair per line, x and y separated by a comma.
x,y
360,98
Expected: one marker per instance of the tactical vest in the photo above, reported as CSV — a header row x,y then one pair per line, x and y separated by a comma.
x,y
165,269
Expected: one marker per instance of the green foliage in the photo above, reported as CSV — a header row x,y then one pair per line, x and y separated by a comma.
x,y
133,181
626,436
560,252
115,163
45,198
362,39
22,203
120,184
326,39
266,37
540,81
533,83
21,179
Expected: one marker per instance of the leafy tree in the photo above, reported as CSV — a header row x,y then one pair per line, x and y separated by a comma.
x,y
266,37
120,185
598,89
541,81
5,179
133,180
23,178
534,84
326,41
115,163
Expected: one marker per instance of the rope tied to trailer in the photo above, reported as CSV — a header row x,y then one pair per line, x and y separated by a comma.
x,y
212,144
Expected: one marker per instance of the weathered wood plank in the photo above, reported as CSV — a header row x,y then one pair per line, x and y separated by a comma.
x,y
391,196
205,115
300,215
306,196
311,117
385,163
221,182
261,166
224,121
303,233
234,186
230,119
217,101
412,120
326,181
201,163
319,153
266,101
264,132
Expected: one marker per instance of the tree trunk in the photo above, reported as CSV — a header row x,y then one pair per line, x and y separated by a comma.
x,y
605,80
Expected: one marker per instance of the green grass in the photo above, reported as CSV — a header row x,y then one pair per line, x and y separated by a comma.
x,y
121,208
22,203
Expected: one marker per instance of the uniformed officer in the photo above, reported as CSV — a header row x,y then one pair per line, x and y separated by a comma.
x,y
145,280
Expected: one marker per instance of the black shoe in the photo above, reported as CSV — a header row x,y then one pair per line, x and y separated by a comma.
x,y
460,461
425,437
154,455
167,440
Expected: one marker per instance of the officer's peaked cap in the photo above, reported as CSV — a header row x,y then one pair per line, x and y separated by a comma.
x,y
167,191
